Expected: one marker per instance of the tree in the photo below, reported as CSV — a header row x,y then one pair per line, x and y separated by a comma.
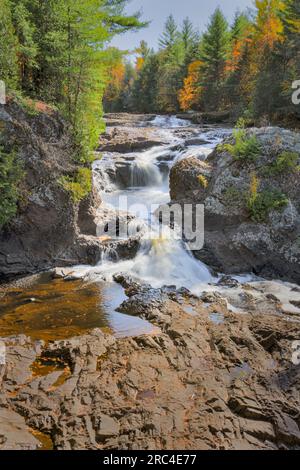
x,y
289,50
143,52
115,85
27,48
189,95
239,36
268,23
213,54
170,34
145,87
9,71
190,43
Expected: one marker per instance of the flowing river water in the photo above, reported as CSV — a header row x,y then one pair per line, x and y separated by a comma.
x,y
160,260
53,309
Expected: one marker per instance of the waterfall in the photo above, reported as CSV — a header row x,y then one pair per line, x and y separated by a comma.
x,y
170,122
144,173
163,258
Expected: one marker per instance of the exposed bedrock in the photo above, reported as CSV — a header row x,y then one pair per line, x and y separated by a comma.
x,y
49,228
266,240
234,385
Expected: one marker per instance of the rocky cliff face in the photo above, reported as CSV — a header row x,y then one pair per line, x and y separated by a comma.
x,y
49,228
252,205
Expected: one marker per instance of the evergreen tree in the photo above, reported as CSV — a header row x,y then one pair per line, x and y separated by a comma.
x,y
240,27
28,48
145,89
268,100
170,34
213,54
9,72
189,36
190,42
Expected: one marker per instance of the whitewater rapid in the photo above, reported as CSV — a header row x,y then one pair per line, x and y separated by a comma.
x,y
161,260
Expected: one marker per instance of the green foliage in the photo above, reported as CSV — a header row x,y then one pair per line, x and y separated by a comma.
x,y
286,162
145,87
10,176
62,58
246,148
8,48
262,203
170,34
79,186
214,50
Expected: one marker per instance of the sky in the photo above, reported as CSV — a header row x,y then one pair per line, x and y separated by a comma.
x,y
157,11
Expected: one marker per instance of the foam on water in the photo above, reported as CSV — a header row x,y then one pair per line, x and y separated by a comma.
x,y
161,260
170,122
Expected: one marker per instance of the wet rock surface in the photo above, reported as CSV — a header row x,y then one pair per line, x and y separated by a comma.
x,y
124,137
229,353
234,385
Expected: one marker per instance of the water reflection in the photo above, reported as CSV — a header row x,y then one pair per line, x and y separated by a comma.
x,y
56,309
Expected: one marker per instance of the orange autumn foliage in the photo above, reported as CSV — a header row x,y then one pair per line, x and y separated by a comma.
x,y
116,78
189,94
139,63
269,25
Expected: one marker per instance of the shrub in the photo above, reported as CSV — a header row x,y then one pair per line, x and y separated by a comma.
x,y
261,203
245,148
79,186
286,162
10,176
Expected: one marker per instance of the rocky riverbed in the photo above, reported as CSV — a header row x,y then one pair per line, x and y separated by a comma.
x,y
227,344
233,383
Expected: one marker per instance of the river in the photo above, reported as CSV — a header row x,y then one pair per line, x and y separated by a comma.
x,y
48,309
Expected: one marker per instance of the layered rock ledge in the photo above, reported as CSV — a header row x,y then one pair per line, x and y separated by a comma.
x,y
267,242
234,385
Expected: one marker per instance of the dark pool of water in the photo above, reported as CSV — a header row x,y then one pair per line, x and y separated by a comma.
x,y
48,309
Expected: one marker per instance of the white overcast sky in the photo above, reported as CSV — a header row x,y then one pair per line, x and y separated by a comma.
x,y
157,11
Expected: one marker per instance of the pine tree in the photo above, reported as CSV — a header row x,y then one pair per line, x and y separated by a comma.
x,y
213,54
145,88
28,48
240,27
190,42
190,94
170,34
9,71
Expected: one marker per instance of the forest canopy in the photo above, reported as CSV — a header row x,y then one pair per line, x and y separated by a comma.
x,y
247,68
55,51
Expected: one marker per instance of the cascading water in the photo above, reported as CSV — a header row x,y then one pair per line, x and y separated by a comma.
x,y
144,173
161,260
169,122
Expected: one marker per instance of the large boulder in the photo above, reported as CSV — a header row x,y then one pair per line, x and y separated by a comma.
x,y
252,204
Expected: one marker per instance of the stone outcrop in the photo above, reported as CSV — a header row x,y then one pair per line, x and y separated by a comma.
x,y
234,385
235,241
126,133
49,228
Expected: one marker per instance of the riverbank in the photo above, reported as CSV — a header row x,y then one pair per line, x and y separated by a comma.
x,y
225,343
